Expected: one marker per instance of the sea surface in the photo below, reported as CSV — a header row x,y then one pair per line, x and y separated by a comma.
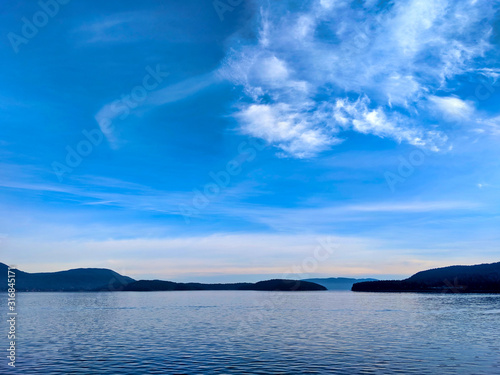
x,y
247,332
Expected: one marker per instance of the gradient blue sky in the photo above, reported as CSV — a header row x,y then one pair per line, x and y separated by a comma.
x,y
374,124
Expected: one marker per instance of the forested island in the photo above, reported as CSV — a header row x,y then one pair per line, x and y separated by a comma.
x,y
481,278
99,279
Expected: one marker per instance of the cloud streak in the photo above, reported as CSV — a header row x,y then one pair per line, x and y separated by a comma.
x,y
148,95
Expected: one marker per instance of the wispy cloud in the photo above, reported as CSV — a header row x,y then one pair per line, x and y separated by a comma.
x,y
320,218
415,207
490,125
334,66
151,97
118,28
103,191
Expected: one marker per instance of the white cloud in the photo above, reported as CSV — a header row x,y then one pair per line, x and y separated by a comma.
x,y
453,107
273,69
383,63
375,121
294,132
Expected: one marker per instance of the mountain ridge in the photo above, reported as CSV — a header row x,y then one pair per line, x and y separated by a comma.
x,y
73,280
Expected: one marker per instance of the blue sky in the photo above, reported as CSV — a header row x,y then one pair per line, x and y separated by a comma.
x,y
199,140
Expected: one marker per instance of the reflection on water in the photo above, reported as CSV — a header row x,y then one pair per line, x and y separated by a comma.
x,y
231,332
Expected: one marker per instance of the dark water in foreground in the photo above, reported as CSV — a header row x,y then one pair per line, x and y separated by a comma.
x,y
231,332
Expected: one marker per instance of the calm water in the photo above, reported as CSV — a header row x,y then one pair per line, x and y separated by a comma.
x,y
255,332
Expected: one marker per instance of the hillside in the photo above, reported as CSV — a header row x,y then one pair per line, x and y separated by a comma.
x,y
98,279
481,278
76,280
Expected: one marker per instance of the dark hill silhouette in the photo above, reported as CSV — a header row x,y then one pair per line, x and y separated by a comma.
x,y
99,279
337,283
76,280
481,278
269,285
159,285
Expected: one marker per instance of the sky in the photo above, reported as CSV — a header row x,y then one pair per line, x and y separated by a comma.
x,y
240,140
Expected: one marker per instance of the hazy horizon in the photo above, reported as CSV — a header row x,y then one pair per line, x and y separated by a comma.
x,y
215,278
204,277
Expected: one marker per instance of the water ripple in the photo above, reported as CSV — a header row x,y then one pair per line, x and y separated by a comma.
x,y
256,332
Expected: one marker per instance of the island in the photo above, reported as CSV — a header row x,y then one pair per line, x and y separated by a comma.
x,y
268,285
481,278
101,279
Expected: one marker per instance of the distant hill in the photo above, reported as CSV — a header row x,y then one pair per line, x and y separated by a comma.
x,y
76,280
269,285
338,283
481,278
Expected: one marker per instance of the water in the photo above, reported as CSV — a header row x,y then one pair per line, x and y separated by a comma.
x,y
231,332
